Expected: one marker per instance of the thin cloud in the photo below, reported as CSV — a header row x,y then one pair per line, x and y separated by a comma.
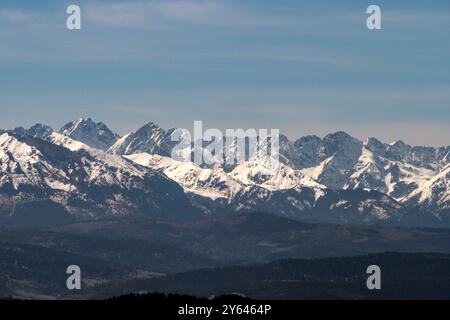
x,y
16,16
289,56
163,14
410,17
121,15
190,11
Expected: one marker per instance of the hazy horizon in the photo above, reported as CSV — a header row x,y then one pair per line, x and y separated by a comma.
x,y
303,68
292,138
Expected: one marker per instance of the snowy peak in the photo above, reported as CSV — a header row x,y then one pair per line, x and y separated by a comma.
x,y
150,138
426,157
34,162
215,183
333,157
206,182
272,175
27,162
395,178
310,151
87,170
96,135
84,181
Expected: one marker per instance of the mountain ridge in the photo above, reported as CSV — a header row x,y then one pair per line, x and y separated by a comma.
x,y
337,178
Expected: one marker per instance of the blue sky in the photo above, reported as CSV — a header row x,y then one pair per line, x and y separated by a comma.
x,y
304,67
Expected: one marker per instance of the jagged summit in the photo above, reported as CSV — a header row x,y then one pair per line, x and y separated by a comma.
x,y
85,169
94,134
84,183
338,160
40,131
149,138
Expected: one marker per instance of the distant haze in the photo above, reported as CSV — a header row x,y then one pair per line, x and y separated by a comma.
x,y
299,66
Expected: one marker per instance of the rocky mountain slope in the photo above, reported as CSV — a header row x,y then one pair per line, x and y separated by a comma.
x,y
88,171
81,183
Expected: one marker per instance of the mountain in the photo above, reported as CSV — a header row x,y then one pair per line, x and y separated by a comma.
x,y
84,183
217,183
96,135
328,160
150,138
135,218
340,161
337,153
311,151
434,193
335,179
263,185
205,182
40,131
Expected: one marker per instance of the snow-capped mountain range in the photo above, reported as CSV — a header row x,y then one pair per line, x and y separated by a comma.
x,y
85,171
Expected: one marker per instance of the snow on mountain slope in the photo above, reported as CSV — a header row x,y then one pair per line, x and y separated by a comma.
x,y
120,165
25,166
69,143
338,161
40,131
316,171
219,192
394,178
395,169
215,183
206,182
332,157
434,193
334,179
85,181
96,135
270,174
150,138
